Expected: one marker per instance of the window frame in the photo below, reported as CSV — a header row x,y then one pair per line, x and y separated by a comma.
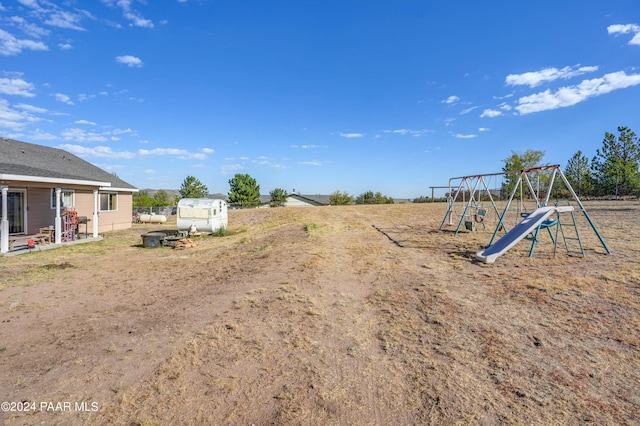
x,y
72,192
111,196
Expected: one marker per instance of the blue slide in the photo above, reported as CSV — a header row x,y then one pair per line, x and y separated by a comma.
x,y
521,230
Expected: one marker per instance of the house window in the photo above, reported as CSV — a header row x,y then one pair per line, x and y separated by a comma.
x,y
67,197
108,201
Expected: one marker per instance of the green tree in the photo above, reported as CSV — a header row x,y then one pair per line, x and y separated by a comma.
x,y
615,165
370,198
161,198
193,188
519,161
578,173
142,199
422,199
244,191
338,198
278,197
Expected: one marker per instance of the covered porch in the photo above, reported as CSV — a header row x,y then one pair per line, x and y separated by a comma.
x,y
36,213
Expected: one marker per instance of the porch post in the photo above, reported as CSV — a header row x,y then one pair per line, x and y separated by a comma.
x,y
4,223
58,221
95,213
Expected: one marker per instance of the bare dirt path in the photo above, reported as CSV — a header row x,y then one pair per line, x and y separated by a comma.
x,y
355,315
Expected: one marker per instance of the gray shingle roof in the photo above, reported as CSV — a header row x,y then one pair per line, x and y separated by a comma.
x,y
27,159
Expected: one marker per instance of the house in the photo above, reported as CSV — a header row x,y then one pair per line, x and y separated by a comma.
x,y
298,200
39,184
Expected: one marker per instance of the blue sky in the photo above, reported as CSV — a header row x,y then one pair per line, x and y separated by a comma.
x,y
317,96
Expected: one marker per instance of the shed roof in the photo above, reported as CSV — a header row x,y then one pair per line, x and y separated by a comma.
x,y
42,162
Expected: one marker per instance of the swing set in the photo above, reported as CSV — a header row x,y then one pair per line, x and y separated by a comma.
x,y
466,200
528,202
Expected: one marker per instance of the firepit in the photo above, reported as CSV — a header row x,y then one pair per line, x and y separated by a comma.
x,y
153,239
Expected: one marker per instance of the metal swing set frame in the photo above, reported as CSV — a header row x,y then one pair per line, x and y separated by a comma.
x,y
475,185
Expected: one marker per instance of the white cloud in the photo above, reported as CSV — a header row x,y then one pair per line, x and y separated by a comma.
x,y
228,169
130,61
451,99
163,151
10,45
65,46
311,163
130,14
208,150
13,119
461,136
87,122
484,129
31,108
79,135
468,110
536,78
625,29
571,95
138,21
28,28
352,135
407,132
82,97
123,131
490,113
30,3
311,146
64,19
180,154
63,98
16,86
98,151
42,136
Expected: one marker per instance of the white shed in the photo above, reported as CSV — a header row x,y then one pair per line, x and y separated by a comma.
x,y
207,214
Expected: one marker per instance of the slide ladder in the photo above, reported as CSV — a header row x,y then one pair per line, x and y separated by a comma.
x,y
572,242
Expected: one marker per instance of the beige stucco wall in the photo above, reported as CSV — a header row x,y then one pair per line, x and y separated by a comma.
x,y
118,219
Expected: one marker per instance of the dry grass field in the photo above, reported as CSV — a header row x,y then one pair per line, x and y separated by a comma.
x,y
333,315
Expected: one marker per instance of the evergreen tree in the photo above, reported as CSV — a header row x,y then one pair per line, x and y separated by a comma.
x,y
193,188
278,197
615,166
244,191
578,173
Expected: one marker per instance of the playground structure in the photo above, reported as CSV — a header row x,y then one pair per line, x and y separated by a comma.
x,y
531,190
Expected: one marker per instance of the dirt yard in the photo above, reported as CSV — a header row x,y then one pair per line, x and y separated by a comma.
x,y
329,315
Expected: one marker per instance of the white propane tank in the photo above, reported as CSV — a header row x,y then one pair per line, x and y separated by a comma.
x,y
153,218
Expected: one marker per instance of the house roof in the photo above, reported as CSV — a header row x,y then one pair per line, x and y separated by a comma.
x,y
310,199
45,164
313,199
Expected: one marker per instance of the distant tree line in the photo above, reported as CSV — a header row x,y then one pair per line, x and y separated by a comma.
x,y
613,171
